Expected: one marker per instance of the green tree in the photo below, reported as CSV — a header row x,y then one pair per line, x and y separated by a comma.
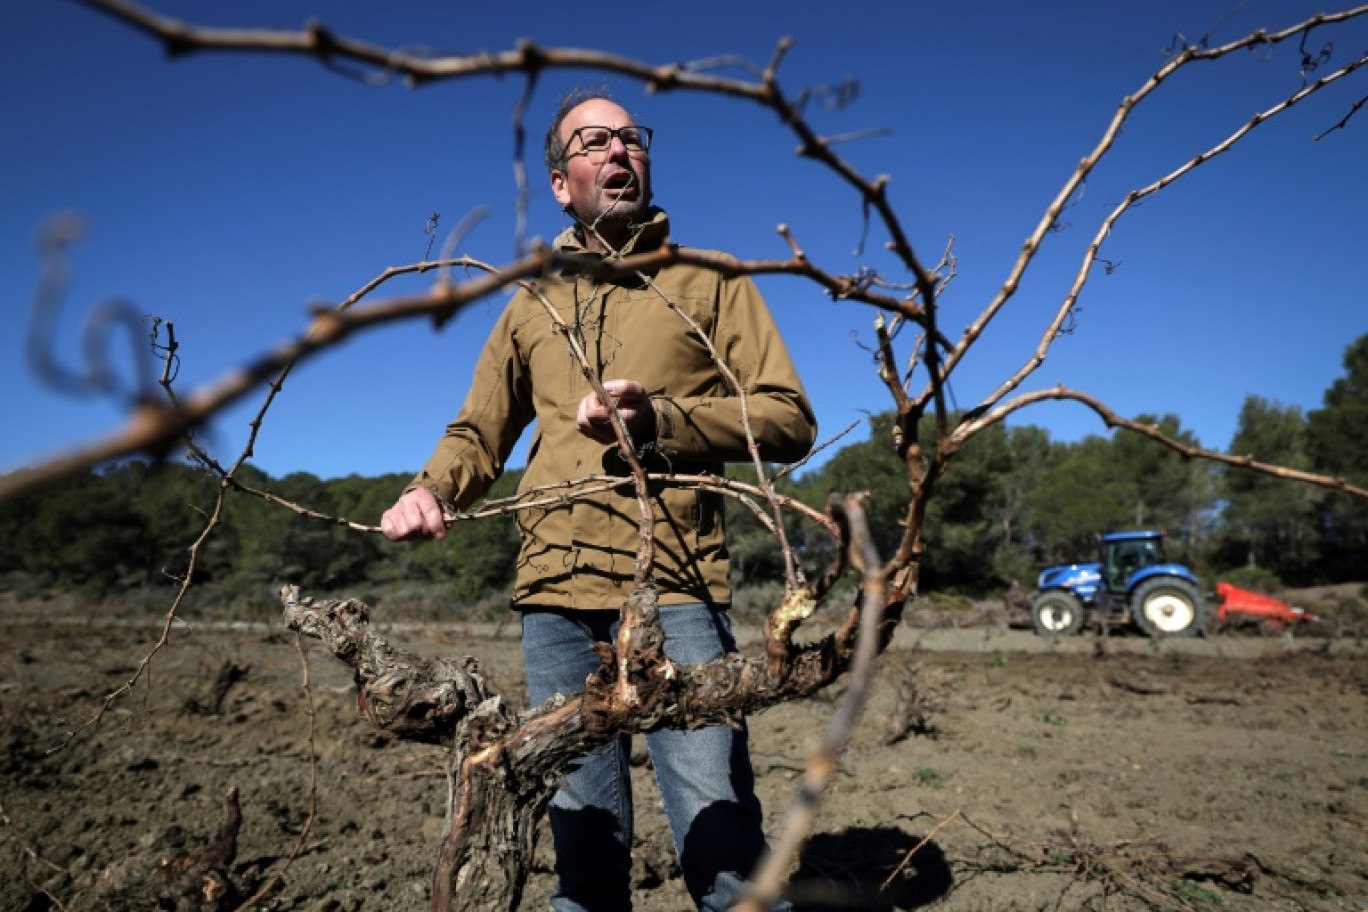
x,y
871,466
1338,439
1166,490
1030,453
274,545
1104,484
82,535
754,550
476,559
971,525
172,501
964,530
1080,494
1268,522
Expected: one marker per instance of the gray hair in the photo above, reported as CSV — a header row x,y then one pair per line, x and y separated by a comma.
x,y
555,149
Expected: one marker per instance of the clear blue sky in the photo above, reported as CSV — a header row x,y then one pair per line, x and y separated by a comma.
x,y
230,193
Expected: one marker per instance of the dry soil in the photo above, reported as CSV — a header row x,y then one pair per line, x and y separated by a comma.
x,y
1229,772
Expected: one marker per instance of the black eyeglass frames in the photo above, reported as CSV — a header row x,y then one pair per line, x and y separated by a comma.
x,y
635,138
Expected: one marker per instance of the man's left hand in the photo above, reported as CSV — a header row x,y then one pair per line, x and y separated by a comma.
x,y
595,419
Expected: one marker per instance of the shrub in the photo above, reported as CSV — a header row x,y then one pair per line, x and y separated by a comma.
x,y
944,601
755,601
1256,579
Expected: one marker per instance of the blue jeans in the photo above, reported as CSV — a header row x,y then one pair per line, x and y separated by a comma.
x,y
704,775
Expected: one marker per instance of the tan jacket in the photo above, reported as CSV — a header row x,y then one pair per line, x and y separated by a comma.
x,y
581,554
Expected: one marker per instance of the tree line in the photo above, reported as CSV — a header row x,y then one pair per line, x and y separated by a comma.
x,y
1014,502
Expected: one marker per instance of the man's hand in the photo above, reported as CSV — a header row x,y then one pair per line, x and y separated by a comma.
x,y
595,420
414,517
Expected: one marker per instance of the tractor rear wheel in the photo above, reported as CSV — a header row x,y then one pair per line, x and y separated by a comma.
x,y
1168,606
1056,613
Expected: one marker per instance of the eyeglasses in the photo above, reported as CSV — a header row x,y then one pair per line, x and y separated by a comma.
x,y
596,140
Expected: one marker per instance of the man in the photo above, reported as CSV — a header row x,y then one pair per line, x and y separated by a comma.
x,y
576,563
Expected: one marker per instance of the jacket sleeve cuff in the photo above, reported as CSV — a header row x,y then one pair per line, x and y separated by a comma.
x,y
422,481
671,428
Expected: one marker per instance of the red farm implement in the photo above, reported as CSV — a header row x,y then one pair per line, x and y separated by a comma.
x,y
1240,606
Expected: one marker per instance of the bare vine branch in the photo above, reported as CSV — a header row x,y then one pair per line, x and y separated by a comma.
x,y
1053,331
1031,247
821,766
1113,420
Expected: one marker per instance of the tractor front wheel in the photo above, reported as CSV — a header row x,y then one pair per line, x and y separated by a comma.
x,y
1169,607
1056,613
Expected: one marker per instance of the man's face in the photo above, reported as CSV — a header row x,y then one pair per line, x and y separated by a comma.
x,y
609,188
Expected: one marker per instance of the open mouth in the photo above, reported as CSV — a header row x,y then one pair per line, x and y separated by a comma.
x,y
621,182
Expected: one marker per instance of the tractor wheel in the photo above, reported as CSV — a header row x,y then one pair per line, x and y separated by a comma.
x,y
1169,607
1056,613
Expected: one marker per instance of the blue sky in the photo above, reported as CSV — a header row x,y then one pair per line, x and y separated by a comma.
x,y
230,194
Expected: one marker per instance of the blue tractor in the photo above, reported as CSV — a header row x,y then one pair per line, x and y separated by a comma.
x,y
1134,583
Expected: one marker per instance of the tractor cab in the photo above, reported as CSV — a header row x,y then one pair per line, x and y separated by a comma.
x,y
1126,553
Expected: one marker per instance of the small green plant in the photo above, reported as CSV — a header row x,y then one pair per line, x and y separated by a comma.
x,y
1054,719
999,660
925,775
1026,751
1191,891
1283,775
